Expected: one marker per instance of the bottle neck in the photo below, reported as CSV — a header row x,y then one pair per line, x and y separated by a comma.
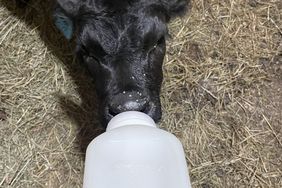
x,y
130,118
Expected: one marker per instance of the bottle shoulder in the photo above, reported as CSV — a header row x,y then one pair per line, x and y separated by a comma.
x,y
136,133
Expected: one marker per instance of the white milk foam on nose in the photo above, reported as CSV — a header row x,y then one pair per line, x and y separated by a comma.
x,y
131,105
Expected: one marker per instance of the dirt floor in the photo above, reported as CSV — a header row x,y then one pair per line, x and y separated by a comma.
x,y
222,96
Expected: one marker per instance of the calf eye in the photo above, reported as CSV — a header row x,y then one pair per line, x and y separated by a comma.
x,y
88,56
90,59
93,59
159,42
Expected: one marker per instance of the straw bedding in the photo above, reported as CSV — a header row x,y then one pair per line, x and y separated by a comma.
x,y
221,96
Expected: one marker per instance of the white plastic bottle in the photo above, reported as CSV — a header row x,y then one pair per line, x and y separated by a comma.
x,y
134,153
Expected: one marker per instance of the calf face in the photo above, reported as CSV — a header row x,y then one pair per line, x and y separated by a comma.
x,y
122,42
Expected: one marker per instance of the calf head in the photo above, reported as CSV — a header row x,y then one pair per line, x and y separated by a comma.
x,y
122,42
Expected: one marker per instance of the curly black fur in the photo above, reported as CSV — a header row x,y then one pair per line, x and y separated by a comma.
x,y
122,42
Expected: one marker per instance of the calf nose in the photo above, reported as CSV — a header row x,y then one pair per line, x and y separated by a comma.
x,y
128,101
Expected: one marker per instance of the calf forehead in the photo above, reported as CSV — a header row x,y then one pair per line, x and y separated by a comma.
x,y
98,31
120,31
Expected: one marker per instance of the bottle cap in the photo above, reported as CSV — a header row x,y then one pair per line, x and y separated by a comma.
x,y
130,118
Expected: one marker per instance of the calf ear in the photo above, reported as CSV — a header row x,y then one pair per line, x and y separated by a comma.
x,y
176,7
64,14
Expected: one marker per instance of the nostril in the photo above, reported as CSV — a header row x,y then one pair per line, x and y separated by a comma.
x,y
143,108
112,113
